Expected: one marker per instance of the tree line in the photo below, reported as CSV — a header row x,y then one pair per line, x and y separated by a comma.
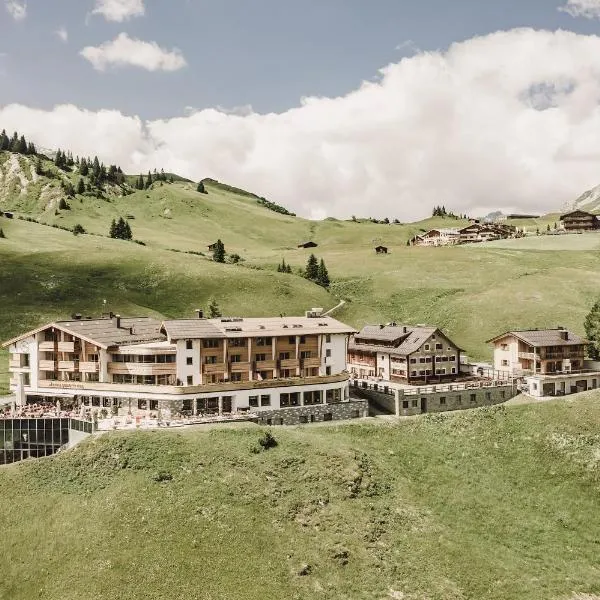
x,y
144,184
17,143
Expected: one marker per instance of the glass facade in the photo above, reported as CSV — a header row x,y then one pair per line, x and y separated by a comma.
x,y
34,438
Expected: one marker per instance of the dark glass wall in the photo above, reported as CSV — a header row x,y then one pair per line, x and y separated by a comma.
x,y
34,438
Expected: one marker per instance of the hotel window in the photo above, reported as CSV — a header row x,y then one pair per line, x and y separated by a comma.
x,y
265,374
452,358
263,341
260,357
235,377
439,346
313,397
327,371
188,344
413,361
210,343
459,399
405,404
253,401
333,396
305,354
210,360
189,360
292,399
488,396
426,346
415,403
328,353
503,346
413,373
236,358
443,400
422,360
453,370
504,363
502,394
237,343
286,373
187,405
328,338
142,404
444,359
265,400
303,339
190,380
284,356
153,404
292,340
473,398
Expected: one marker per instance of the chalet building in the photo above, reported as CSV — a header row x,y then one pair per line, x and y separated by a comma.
x,y
485,232
580,220
381,250
436,237
291,368
538,351
403,354
550,361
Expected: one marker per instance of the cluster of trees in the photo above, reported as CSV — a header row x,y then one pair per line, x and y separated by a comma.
x,y
284,268
16,144
144,184
120,230
317,271
440,211
275,207
385,221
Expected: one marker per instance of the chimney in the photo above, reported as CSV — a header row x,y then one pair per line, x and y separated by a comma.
x,y
131,331
404,330
116,319
199,313
564,335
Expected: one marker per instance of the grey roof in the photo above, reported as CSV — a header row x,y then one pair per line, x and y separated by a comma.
x,y
544,337
404,339
104,332
178,329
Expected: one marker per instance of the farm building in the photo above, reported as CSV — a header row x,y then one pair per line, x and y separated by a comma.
x,y
579,220
381,250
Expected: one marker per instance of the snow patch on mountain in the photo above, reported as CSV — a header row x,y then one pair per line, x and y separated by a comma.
x,y
588,201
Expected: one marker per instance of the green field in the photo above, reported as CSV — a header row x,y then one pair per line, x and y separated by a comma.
x,y
493,504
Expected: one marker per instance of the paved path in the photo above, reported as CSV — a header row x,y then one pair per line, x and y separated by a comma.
x,y
332,310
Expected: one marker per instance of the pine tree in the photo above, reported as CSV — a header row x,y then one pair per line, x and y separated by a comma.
x,y
139,184
113,230
312,268
31,149
323,275
127,235
219,252
288,269
592,331
84,169
14,142
4,141
213,309
80,186
201,189
149,180
39,169
548,227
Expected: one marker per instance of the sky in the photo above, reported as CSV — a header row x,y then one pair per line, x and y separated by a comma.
x,y
329,107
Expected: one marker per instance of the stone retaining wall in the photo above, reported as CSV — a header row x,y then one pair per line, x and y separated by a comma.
x,y
311,414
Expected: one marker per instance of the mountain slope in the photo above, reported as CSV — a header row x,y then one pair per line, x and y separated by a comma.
x,y
588,201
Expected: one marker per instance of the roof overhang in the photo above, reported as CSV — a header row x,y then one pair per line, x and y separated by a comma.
x,y
55,326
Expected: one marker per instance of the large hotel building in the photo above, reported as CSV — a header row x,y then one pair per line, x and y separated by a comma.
x,y
284,370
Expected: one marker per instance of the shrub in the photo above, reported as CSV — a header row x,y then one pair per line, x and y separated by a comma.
x,y
78,229
162,476
267,441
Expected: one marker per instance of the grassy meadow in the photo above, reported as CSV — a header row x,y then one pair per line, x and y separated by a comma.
x,y
494,504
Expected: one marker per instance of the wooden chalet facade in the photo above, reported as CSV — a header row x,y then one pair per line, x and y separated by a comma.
x,y
580,220
404,354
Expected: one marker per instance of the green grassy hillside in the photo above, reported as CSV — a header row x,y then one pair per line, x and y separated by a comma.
x,y
474,291
493,504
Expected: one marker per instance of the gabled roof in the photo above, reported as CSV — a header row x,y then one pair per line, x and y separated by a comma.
x,y
543,337
404,339
104,332
179,329
582,213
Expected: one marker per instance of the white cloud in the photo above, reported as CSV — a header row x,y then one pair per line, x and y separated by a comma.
x,y
590,9
62,34
17,9
506,121
119,10
126,51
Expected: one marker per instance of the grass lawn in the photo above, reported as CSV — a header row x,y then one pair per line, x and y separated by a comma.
x,y
493,504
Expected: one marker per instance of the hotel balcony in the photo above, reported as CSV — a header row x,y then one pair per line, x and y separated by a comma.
x,y
117,368
265,365
214,368
239,367
89,367
529,355
15,363
290,363
307,363
61,346
66,365
46,365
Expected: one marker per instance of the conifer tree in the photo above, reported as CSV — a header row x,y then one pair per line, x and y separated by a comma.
x,y
4,141
80,186
592,331
219,252
213,309
84,168
312,268
39,169
323,275
201,188
14,142
149,180
112,232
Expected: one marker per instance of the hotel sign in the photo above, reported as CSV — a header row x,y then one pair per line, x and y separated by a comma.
x,y
66,385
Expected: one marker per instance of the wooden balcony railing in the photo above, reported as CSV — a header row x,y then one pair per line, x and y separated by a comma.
x,y
46,365
238,367
89,367
290,363
265,365
311,362
118,368
214,368
66,365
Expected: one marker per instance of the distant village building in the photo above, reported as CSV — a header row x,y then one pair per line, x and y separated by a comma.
x,y
579,220
436,237
404,354
381,250
472,233
308,245
282,370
